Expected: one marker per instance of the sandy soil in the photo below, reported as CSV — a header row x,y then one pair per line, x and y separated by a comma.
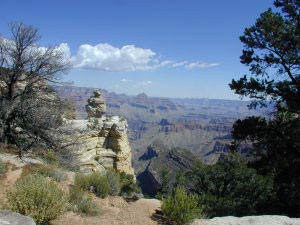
x,y
115,211
12,175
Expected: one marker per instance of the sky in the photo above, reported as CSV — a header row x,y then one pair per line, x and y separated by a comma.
x,y
165,48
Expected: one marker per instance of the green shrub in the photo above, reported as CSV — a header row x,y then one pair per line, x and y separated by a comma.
x,y
82,202
181,207
51,157
96,182
114,182
37,197
2,168
44,170
229,187
52,172
82,181
128,184
102,186
165,185
110,183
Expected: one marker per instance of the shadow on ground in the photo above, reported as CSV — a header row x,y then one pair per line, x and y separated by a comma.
x,y
161,219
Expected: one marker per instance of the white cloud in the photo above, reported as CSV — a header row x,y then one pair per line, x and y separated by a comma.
x,y
64,49
109,58
180,64
106,57
200,65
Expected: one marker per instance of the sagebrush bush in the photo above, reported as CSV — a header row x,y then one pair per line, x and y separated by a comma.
x,y
81,181
181,207
45,170
114,182
102,187
37,197
110,183
95,182
82,202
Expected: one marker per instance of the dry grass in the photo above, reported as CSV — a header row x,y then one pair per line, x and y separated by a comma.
x,y
4,148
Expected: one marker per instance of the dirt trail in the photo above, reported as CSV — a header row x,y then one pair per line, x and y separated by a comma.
x,y
115,211
12,175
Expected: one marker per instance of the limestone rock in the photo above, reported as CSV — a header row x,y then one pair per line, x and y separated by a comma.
x,y
103,140
12,218
15,159
249,220
96,105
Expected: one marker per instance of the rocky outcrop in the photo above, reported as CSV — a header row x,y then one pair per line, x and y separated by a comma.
x,y
249,220
96,107
12,218
103,140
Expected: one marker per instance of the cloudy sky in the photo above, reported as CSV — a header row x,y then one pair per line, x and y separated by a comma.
x,y
171,48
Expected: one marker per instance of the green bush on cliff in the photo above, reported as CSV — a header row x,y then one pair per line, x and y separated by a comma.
x,y
181,207
128,184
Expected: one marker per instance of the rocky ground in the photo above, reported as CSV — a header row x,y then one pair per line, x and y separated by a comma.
x,y
116,211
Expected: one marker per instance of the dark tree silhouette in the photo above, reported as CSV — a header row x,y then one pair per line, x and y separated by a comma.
x,y
30,111
272,52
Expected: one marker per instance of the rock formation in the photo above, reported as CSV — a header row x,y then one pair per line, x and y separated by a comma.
x,y
104,141
249,220
13,218
96,107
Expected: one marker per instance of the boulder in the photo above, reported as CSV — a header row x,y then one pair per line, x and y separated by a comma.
x,y
133,197
11,218
249,220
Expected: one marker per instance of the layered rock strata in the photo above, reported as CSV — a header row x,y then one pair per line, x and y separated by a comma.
x,y
103,139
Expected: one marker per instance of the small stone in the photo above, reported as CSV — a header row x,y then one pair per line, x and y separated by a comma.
x,y
134,196
11,218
